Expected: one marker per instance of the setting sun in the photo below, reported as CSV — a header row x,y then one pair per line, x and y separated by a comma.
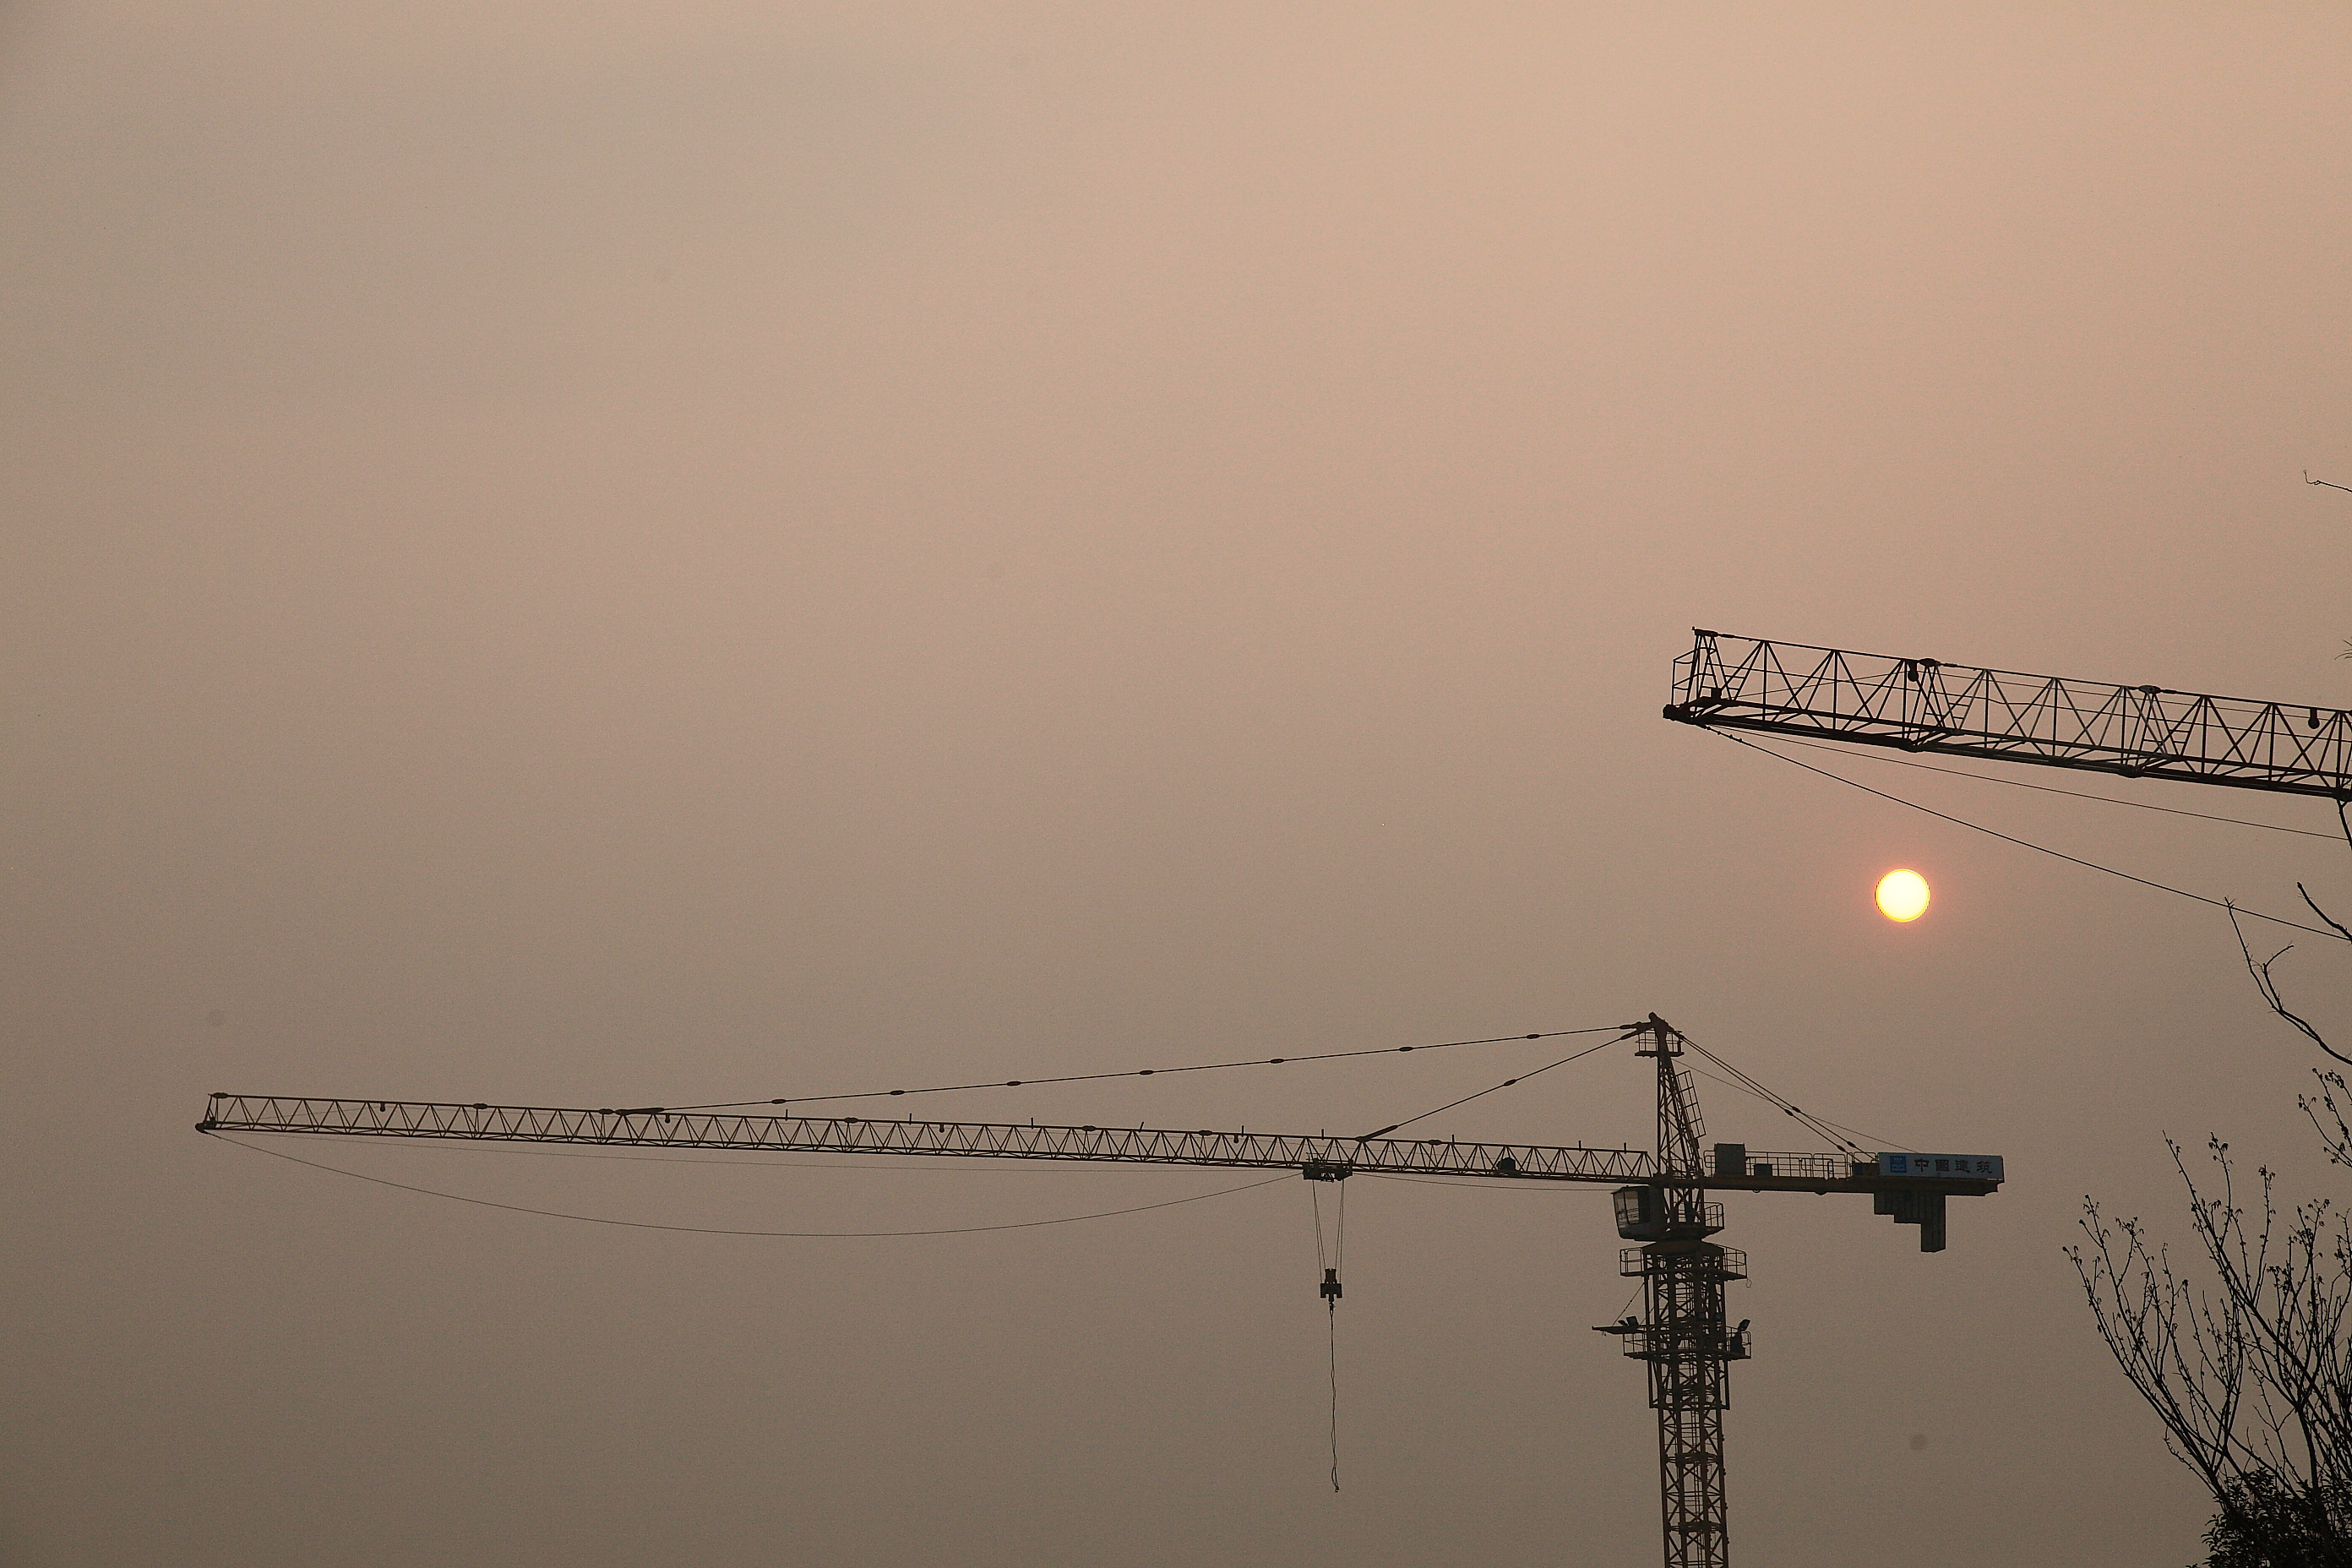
x,y
1903,895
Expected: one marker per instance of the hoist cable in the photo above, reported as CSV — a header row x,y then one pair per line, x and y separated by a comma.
x,y
712,1230
1331,1336
2022,844
1140,1072
1327,1262
1331,1327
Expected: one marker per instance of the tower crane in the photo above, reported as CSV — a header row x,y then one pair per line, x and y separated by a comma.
x,y
1925,705
1661,1202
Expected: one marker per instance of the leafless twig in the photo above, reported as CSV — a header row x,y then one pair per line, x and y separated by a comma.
x,y
2260,970
2249,1377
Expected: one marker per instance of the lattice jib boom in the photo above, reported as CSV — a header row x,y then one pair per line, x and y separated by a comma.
x,y
1926,705
966,1140
652,1127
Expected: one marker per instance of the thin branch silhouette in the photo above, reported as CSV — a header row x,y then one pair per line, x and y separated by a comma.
x,y
2248,1375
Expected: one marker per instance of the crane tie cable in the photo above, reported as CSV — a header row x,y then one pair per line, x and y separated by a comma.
x,y
1780,1102
1809,1118
1140,1072
1506,1083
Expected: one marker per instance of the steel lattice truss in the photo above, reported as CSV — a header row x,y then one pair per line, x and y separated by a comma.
x,y
1689,1348
989,1139
1925,705
859,1135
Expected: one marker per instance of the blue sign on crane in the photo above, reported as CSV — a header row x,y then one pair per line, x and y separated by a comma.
x,y
1957,1167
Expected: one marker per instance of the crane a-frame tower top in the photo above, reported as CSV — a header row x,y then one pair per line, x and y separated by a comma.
x,y
1660,1200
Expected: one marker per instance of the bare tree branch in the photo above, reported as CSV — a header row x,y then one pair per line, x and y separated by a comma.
x,y
2323,914
2260,970
2249,1378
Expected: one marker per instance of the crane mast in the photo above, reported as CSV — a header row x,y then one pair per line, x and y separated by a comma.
x,y
1683,1338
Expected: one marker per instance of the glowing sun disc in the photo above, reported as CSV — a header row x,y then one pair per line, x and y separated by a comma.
x,y
1903,895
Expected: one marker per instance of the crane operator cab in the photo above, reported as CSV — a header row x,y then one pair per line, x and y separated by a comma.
x,y
1644,1214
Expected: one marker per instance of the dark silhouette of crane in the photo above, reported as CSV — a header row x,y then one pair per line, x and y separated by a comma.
x,y
1925,705
1683,1338
1809,694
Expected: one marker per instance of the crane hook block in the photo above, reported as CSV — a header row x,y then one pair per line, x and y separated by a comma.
x,y
1330,1285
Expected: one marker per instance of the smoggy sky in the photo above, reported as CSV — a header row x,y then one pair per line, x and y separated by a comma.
x,y
585,554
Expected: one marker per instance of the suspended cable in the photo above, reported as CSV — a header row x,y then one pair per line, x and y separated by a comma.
x,y
2045,789
1874,1138
1506,1083
711,1230
943,1166
1545,1189
1779,1101
2022,844
1812,1124
1331,1340
1140,1072
1882,1143
1331,1264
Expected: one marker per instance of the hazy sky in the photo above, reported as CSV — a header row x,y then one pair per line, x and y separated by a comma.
x,y
585,554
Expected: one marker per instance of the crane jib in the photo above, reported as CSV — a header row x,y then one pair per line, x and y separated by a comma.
x,y
1686,1341
1928,705
1320,1155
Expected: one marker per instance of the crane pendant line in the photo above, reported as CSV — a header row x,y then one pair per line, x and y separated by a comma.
x,y
1683,1338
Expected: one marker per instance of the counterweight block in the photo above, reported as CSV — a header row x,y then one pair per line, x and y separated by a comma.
x,y
1922,1209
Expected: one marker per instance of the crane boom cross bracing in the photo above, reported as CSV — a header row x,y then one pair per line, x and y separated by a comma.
x,y
1925,705
654,1127
1685,1340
